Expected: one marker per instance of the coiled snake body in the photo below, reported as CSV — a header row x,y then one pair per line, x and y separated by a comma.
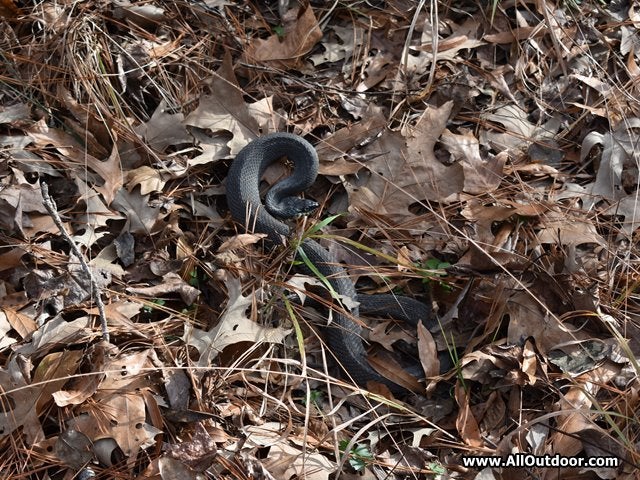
x,y
243,198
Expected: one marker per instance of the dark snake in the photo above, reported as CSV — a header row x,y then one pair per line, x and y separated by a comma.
x,y
281,202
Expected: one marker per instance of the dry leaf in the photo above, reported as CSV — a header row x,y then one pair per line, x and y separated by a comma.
x,y
285,460
383,334
18,399
225,109
387,366
164,129
299,38
408,171
428,352
149,179
466,423
480,176
54,371
233,327
171,283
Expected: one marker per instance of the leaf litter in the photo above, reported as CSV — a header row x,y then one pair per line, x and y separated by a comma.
x,y
498,141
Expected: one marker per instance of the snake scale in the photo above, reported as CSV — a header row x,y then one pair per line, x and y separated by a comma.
x,y
344,338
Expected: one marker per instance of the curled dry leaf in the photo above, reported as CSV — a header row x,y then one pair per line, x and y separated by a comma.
x,y
241,240
171,283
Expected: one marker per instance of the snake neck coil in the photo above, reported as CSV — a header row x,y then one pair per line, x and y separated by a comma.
x,y
281,202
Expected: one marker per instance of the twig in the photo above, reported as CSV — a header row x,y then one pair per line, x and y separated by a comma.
x,y
51,207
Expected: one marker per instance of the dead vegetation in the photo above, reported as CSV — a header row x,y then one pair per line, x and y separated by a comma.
x,y
482,158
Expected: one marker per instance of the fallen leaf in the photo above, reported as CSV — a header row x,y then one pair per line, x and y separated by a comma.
x,y
233,327
287,51
339,44
149,179
142,217
428,352
55,332
466,423
54,370
171,283
407,171
383,335
21,323
164,129
480,176
241,240
225,109
5,328
18,399
285,460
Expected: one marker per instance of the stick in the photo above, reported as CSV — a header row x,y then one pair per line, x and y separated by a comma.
x,y
52,208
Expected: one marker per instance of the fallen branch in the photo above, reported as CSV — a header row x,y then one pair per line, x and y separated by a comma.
x,y
52,208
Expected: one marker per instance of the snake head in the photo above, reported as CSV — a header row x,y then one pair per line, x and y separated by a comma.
x,y
295,207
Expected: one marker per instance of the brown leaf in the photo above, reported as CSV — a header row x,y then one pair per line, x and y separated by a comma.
x,y
54,371
480,176
171,283
149,179
111,172
93,132
566,228
94,214
14,114
142,217
530,361
241,240
127,372
73,449
286,460
233,327
120,416
385,336
225,109
428,352
18,200
519,34
8,9
387,366
336,152
82,388
164,129
407,171
120,313
339,44
11,259
466,423
56,332
493,413
75,158
20,322
450,47
18,399
299,38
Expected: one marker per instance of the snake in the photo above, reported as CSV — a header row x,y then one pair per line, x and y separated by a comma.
x,y
282,202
